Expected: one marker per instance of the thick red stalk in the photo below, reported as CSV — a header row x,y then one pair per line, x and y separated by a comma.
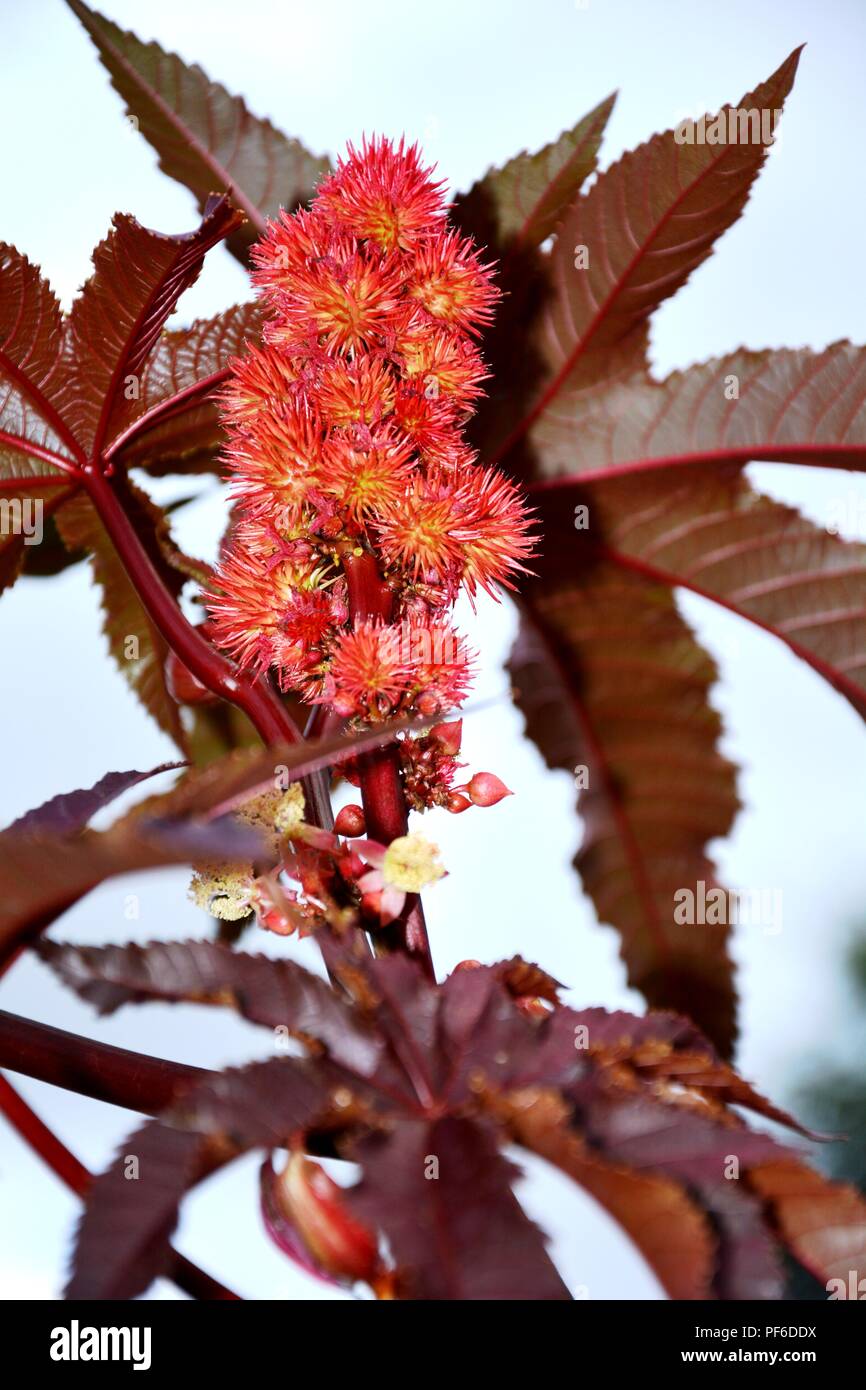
x,y
382,795
90,1068
63,1162
384,803
102,1072
214,670
207,664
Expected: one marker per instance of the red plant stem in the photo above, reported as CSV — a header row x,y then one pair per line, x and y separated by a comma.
x,y
207,664
90,1068
219,675
382,797
110,1074
67,1167
196,1282
40,1138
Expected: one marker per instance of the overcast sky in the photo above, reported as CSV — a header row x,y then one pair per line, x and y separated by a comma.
x,y
476,81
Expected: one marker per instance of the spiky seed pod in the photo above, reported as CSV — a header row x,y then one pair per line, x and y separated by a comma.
x,y
346,435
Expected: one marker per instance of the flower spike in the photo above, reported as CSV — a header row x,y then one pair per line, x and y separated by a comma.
x,y
345,439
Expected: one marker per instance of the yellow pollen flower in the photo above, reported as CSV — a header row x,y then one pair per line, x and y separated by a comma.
x,y
411,862
223,890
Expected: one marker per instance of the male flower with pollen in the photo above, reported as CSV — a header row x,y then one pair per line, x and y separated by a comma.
x,y
227,890
409,864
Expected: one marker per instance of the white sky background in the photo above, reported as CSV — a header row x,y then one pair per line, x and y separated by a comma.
x,y
476,81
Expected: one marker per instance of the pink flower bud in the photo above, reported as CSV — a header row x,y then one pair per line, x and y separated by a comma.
x,y
351,822
448,736
457,803
314,1205
485,789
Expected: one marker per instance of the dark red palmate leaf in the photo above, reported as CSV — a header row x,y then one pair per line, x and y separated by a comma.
x,y
441,1193
712,534
517,207
70,811
278,994
614,688
635,1110
116,321
204,137
635,238
34,382
174,426
598,590
623,698
663,1048
666,1225
124,1233
64,386
702,1234
786,406
68,386
823,1223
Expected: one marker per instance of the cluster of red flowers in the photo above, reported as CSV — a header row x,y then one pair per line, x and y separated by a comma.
x,y
346,441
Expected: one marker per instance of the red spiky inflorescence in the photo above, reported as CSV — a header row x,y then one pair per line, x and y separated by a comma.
x,y
345,438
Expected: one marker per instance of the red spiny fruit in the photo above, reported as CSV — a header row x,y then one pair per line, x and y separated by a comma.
x,y
292,241
381,192
356,392
366,474
347,299
273,614
369,672
442,363
441,665
494,528
430,421
416,532
451,283
346,438
261,381
275,463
